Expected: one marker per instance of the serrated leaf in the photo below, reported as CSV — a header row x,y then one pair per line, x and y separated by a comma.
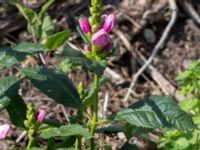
x,y
54,84
8,89
29,48
12,55
77,57
66,143
17,111
56,40
65,131
156,112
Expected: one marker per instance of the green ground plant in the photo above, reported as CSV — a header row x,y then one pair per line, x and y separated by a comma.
x,y
189,83
152,112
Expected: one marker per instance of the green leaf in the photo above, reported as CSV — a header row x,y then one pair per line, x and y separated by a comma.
x,y
89,97
156,112
128,146
8,89
77,57
29,48
84,38
12,55
66,65
28,13
46,6
17,111
54,84
65,131
56,40
47,27
8,57
36,148
66,143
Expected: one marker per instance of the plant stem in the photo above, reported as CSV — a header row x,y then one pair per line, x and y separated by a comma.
x,y
95,111
78,143
31,143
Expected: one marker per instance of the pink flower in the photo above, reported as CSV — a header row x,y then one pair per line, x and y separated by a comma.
x,y
4,130
109,22
41,115
87,48
103,17
108,47
85,25
101,38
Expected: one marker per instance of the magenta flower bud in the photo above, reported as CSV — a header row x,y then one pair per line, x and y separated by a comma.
x,y
108,47
85,25
87,48
41,115
4,131
109,22
101,38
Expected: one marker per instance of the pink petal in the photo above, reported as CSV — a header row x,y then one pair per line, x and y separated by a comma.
x,y
41,115
85,25
101,38
87,47
110,22
4,130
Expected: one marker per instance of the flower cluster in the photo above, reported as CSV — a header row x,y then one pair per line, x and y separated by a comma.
x,y
5,129
101,38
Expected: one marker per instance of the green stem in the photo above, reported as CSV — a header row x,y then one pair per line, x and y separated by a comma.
x,y
31,143
95,112
78,143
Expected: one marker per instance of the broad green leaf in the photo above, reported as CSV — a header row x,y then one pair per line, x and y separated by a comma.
x,y
65,131
54,84
156,112
8,89
66,143
29,48
77,57
8,57
17,111
56,40
12,55
53,123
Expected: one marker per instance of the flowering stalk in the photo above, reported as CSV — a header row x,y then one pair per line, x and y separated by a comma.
x,y
32,123
97,29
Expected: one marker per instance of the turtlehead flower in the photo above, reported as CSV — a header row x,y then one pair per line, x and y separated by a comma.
x,y
4,130
87,48
41,115
110,22
101,38
85,25
107,47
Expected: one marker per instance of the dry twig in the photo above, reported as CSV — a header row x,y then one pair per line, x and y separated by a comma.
x,y
189,9
173,8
